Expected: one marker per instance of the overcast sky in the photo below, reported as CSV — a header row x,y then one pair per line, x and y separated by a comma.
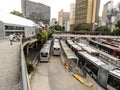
x,y
56,5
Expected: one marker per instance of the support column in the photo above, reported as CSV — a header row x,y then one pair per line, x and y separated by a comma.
x,y
27,49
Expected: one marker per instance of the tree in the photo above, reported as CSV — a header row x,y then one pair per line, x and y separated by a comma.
x,y
103,29
117,28
17,13
50,32
117,25
57,27
42,36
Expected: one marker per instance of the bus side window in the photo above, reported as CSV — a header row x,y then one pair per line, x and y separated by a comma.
x,y
114,82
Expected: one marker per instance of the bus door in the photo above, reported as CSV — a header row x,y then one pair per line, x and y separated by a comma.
x,y
102,76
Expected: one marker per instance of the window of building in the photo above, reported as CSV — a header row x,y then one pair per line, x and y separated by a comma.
x,y
7,27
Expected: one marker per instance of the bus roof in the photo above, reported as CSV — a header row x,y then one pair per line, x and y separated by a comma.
x,y
76,47
56,46
44,50
81,44
116,72
56,40
89,49
91,58
70,42
110,56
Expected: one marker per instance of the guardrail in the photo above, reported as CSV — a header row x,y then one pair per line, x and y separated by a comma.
x,y
25,80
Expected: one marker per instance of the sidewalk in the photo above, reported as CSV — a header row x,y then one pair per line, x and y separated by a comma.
x,y
9,65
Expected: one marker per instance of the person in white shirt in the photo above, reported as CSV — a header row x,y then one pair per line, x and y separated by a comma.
x,y
11,37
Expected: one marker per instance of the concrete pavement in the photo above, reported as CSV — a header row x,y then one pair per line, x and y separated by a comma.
x,y
9,65
53,76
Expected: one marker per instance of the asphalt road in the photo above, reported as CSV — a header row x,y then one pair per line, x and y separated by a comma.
x,y
53,76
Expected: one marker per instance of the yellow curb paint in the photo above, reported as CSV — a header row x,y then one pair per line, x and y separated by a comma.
x,y
89,84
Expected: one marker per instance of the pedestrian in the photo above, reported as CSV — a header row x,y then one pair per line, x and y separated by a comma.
x,y
11,37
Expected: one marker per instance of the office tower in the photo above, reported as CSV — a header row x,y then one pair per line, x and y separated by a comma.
x,y
87,13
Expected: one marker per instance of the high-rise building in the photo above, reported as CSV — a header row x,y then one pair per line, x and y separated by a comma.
x,y
87,13
72,13
72,16
36,11
63,17
107,12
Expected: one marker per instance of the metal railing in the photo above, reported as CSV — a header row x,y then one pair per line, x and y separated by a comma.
x,y
25,80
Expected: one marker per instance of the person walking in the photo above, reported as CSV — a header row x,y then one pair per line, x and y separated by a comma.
x,y
11,37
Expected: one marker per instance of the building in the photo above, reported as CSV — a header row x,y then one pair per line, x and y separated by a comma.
x,y
63,17
72,16
87,13
53,21
36,11
109,14
72,13
10,23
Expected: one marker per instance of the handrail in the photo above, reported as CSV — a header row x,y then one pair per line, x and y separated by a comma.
x,y
25,82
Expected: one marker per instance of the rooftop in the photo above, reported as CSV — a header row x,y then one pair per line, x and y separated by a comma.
x,y
7,18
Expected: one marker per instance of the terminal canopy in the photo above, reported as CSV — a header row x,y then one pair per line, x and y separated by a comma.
x,y
7,18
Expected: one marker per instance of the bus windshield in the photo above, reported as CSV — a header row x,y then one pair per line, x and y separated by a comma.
x,y
44,54
56,48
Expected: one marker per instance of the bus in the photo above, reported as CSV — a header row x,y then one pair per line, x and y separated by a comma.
x,y
56,49
91,51
106,48
114,79
106,75
45,52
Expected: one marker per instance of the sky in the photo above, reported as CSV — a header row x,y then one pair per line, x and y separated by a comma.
x,y
56,5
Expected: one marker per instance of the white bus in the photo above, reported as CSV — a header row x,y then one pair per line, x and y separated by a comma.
x,y
45,52
56,49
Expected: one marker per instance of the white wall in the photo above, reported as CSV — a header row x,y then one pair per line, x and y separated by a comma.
x,y
1,30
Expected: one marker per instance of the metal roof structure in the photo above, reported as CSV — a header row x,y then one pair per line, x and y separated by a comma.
x,y
7,18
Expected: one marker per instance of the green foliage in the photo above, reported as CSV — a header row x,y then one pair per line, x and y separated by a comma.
x,y
42,36
30,67
117,25
117,29
52,27
103,29
17,13
57,27
50,32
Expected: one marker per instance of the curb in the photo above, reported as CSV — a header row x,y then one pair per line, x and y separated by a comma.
x,y
79,78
